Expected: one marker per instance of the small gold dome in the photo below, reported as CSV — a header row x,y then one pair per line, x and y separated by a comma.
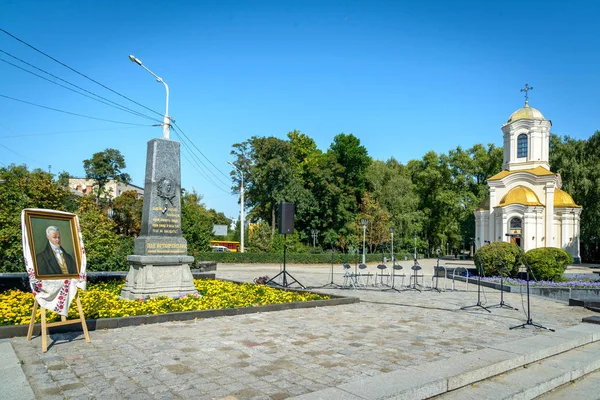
x,y
526,113
563,199
520,195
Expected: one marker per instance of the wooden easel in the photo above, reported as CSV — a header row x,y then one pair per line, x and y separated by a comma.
x,y
63,321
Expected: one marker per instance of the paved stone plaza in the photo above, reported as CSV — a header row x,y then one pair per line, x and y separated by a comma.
x,y
282,354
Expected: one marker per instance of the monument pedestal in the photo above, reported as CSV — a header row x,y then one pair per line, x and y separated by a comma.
x,y
160,265
152,276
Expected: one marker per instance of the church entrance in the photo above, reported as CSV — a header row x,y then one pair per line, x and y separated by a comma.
x,y
515,227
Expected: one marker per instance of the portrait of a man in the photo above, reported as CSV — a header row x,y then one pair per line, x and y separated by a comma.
x,y
54,259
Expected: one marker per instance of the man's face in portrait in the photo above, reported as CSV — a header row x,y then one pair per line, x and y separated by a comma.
x,y
54,238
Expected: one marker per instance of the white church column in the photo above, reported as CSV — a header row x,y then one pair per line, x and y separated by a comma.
x,y
540,239
566,221
485,226
492,216
528,229
549,202
576,235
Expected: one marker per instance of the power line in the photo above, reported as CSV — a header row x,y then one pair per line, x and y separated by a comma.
x,y
106,101
63,132
199,151
197,163
77,72
71,113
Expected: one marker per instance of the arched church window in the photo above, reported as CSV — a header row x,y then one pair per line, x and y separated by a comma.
x,y
515,225
522,145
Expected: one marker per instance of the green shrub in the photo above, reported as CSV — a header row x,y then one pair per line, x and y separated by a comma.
x,y
499,259
548,263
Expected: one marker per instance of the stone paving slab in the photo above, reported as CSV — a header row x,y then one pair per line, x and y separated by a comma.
x,y
282,354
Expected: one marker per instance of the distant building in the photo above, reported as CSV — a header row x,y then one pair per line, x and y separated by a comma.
x,y
82,186
526,205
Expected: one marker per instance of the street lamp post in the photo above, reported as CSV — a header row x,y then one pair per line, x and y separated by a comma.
x,y
242,221
392,233
167,119
415,246
314,233
364,223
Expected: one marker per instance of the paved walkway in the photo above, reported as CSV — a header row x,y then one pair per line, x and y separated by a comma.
x,y
283,354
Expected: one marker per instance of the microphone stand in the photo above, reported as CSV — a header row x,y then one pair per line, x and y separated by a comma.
x,y
502,304
529,321
479,272
331,284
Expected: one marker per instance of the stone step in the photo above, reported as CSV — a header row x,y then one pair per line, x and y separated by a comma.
x,y
534,379
586,388
457,376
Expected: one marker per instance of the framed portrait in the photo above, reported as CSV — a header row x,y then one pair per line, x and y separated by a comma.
x,y
54,244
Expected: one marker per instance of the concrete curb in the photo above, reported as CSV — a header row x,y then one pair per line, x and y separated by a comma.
x,y
12,379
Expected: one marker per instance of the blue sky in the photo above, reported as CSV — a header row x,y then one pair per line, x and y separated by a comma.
x,y
405,77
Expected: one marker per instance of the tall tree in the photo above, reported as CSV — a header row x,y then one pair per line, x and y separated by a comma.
x,y
127,213
354,158
19,189
196,223
578,163
101,242
103,167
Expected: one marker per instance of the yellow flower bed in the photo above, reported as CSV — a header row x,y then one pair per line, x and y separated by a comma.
x,y
102,300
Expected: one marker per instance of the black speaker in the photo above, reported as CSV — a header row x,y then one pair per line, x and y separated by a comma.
x,y
286,218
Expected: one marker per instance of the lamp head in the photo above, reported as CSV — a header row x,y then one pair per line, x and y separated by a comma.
x,y
364,221
135,60
391,229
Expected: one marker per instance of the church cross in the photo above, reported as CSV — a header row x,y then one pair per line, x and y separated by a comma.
x,y
526,89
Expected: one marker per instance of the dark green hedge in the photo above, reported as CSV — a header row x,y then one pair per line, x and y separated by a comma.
x,y
548,263
292,258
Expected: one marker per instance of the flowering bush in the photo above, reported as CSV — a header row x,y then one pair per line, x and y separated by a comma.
x,y
102,300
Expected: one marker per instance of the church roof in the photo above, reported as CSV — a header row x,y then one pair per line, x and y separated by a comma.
x,y
485,204
563,199
526,113
537,171
520,195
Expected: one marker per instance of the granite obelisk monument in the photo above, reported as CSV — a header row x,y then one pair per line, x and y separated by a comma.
x,y
160,264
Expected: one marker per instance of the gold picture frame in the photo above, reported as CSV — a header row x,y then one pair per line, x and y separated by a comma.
x,y
54,244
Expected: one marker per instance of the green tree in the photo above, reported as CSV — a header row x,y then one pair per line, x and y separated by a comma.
x,y
578,163
19,189
127,213
196,223
355,160
389,184
102,244
103,167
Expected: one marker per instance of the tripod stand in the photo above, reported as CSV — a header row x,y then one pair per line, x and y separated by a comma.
x,y
502,304
331,284
529,321
479,269
284,283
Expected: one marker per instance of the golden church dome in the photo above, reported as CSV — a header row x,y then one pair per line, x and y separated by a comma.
x,y
520,195
526,113
563,199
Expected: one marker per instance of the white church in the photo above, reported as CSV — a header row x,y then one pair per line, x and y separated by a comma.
x,y
526,205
